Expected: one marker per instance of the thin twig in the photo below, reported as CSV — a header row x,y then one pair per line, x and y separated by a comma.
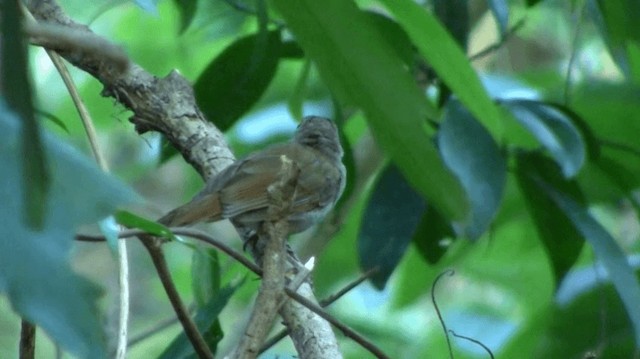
x,y
495,46
158,327
448,272
154,248
334,297
124,297
348,332
183,231
572,57
473,341
27,340
274,235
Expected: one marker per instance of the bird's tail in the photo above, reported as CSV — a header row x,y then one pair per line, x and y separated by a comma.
x,y
201,209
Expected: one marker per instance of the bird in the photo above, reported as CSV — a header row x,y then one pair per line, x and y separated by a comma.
x,y
239,192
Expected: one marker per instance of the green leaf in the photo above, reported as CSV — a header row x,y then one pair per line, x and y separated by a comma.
x,y
449,61
360,66
234,81
607,252
586,293
454,15
296,101
554,130
131,220
51,117
395,36
561,239
206,319
390,220
205,275
35,274
187,9
472,154
431,230
616,21
500,10
16,89
167,151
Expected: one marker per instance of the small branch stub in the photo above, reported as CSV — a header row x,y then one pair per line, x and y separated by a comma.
x,y
273,236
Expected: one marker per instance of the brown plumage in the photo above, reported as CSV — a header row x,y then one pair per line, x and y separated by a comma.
x,y
239,192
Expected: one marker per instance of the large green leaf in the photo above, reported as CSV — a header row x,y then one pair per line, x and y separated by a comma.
x,y
560,237
16,89
236,79
187,9
431,230
618,26
471,153
445,56
34,265
358,64
554,130
454,15
390,220
587,310
607,252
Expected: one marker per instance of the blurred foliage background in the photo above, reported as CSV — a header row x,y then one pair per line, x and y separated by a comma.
x,y
513,162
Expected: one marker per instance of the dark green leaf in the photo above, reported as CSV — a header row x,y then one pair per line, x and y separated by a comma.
x,y
554,130
35,274
206,319
607,252
617,23
236,79
167,151
51,117
395,36
131,220
561,239
531,3
500,10
454,15
472,154
291,50
347,159
17,92
433,228
448,60
361,67
187,9
608,178
587,133
578,319
296,101
389,222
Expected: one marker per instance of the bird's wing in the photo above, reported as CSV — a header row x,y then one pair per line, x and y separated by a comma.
x,y
245,189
